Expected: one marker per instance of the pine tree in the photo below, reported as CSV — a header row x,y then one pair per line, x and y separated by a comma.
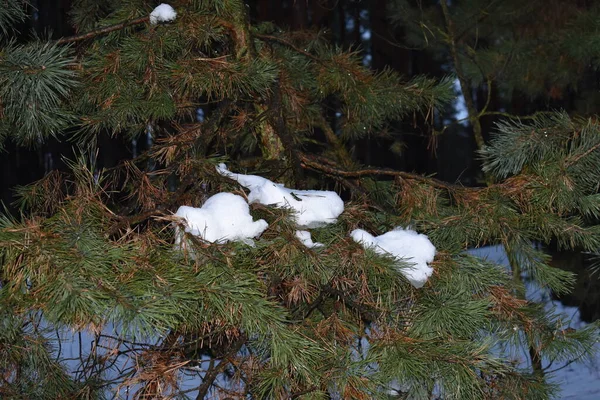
x,y
98,251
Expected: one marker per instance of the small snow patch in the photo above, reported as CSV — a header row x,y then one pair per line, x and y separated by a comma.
x,y
406,245
313,208
162,13
306,239
223,217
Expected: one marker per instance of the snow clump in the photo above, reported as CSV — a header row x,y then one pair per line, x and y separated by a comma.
x,y
306,239
313,208
223,217
405,245
162,13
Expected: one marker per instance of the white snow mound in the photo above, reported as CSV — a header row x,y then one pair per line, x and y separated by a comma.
x,y
162,13
313,208
223,217
306,239
403,244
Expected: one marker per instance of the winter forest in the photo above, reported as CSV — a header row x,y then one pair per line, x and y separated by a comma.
x,y
299,199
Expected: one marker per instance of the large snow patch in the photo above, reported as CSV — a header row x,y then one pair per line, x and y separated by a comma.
x,y
406,245
312,208
223,217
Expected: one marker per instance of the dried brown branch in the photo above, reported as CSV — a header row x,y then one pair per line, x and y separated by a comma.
x,y
303,392
127,221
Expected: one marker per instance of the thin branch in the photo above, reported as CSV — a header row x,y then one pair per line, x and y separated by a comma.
x,y
276,118
213,372
288,44
333,139
488,100
574,160
127,221
317,164
513,116
103,31
303,392
574,360
464,83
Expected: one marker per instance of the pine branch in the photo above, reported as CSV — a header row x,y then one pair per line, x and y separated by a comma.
x,y
290,45
213,372
582,155
103,31
303,392
342,153
466,88
318,164
126,221
366,313
277,121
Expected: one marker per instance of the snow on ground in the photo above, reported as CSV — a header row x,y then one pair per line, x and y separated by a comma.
x,y
306,239
313,208
162,13
223,217
407,245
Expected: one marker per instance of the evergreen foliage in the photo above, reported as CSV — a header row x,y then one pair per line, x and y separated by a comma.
x,y
36,78
93,250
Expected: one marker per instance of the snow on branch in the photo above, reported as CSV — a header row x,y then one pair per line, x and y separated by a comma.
x,y
406,245
224,217
306,239
162,13
313,208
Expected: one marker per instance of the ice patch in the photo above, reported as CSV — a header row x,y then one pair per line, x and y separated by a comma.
x,y
313,208
222,218
407,245
162,13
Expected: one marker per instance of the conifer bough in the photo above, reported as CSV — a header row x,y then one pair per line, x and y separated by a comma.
x,y
93,251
